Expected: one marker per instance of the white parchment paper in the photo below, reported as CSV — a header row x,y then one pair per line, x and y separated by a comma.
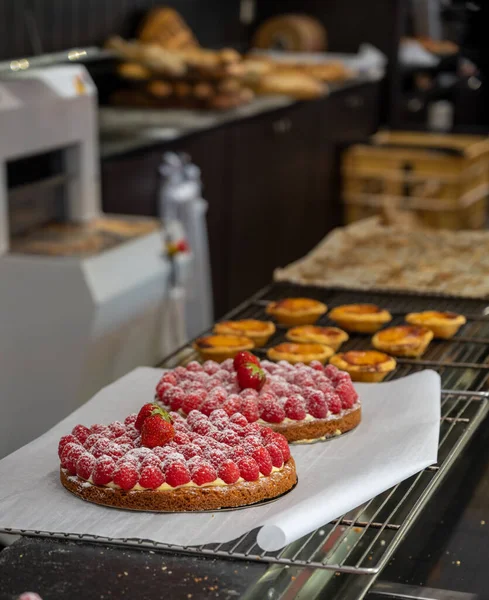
x,y
398,437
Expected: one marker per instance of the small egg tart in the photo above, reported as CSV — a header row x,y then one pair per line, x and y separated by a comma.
x,y
221,347
300,353
329,336
368,366
444,325
258,331
296,311
403,340
361,318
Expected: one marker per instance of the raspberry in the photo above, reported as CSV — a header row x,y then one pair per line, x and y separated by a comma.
x,y
210,405
330,371
194,366
282,443
272,412
131,419
231,405
252,441
85,465
252,429
204,473
341,377
132,433
228,365
325,387
239,419
177,474
295,389
237,453
101,447
162,389
126,475
194,417
151,460
174,398
103,470
275,454
223,375
263,460
162,452
317,405
228,472
180,373
249,409
248,468
267,434
204,427
215,457
191,450
334,402
295,408
249,393
91,440
181,437
117,429
219,418
210,367
168,377
218,393
65,440
280,388
114,450
192,401
316,365
69,456
151,477
347,394
81,433
97,428
228,437
139,454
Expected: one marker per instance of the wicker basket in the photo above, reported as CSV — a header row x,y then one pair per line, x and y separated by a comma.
x,y
444,179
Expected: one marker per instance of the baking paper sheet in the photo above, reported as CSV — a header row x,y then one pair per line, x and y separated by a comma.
x,y
398,437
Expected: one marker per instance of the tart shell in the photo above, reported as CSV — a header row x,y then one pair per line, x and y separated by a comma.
x,y
360,322
290,315
307,354
185,499
372,373
442,326
219,353
259,336
307,334
410,348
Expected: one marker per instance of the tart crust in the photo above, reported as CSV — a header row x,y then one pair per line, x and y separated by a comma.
x,y
300,353
185,499
258,331
404,340
444,325
296,311
319,428
361,318
329,336
369,366
221,347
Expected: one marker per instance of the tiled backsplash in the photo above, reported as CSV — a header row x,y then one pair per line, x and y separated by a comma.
x,y
31,26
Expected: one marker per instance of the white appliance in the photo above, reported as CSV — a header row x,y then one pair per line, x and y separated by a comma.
x,y
74,321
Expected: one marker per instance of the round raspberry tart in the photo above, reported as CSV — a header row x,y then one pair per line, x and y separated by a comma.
x,y
157,461
301,402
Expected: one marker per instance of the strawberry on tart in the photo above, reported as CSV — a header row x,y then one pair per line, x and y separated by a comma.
x,y
301,402
156,461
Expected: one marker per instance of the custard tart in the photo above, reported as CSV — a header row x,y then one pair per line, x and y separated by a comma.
x,y
300,353
221,347
258,331
404,340
329,336
369,366
362,318
444,325
296,311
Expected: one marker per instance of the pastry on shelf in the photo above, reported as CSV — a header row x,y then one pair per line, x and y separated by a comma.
x,y
220,347
301,402
369,366
258,331
148,463
300,353
165,26
296,311
444,325
294,84
361,318
329,336
403,340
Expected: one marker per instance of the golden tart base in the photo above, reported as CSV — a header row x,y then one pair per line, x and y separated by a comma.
x,y
296,311
368,366
221,347
182,499
404,340
444,325
361,318
300,353
258,331
329,336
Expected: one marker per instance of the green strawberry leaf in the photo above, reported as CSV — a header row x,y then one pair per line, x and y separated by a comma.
x,y
157,410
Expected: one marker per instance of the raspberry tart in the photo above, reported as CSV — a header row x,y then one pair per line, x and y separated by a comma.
x,y
300,353
296,311
444,325
329,336
301,402
369,366
361,318
258,331
403,340
221,347
201,463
